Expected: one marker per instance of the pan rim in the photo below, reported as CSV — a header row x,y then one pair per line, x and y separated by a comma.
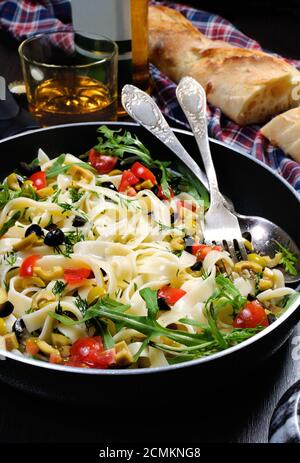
x,y
189,363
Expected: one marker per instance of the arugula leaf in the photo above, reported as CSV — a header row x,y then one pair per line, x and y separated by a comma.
x,y
113,310
104,332
10,223
116,144
211,316
238,335
150,297
288,300
288,259
188,184
227,293
58,167
7,195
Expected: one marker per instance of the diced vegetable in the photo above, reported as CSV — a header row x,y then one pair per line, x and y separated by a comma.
x,y
142,172
171,295
128,179
76,275
31,346
26,269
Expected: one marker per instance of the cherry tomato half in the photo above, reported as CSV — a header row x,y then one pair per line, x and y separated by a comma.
x,y
102,162
128,179
201,250
26,269
142,172
75,275
161,195
39,180
171,295
89,352
252,315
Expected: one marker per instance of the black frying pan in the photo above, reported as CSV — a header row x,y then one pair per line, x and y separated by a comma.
x,y
253,188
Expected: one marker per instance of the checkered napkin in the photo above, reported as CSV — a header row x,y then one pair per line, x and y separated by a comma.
x,y
23,18
243,138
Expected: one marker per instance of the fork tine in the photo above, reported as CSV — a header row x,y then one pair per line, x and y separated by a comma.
x,y
242,250
231,250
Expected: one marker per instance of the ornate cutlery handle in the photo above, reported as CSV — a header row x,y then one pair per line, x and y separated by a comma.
x,y
143,109
192,99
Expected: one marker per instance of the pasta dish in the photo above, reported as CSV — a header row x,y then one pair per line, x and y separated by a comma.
x,y
103,264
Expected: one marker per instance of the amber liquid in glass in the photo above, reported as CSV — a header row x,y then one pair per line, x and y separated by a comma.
x,y
73,99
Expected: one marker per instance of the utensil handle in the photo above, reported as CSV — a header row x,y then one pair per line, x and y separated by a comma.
x,y
143,109
192,99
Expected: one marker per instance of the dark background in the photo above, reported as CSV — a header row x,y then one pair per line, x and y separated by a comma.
x,y
240,413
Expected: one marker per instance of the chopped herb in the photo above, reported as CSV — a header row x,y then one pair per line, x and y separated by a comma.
x,y
75,194
59,288
81,304
10,258
289,260
56,195
65,206
178,253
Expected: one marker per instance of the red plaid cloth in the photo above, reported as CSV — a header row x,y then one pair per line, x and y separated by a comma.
x,y
244,138
23,18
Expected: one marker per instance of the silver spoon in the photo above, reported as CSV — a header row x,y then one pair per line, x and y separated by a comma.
x,y
143,109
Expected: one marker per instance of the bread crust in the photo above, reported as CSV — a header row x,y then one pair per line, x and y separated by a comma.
x,y
284,131
248,85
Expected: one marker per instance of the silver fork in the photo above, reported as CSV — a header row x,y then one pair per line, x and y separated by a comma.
x,y
220,225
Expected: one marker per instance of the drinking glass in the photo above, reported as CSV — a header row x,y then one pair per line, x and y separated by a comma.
x,y
70,76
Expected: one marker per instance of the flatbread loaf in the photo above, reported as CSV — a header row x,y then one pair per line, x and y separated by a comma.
x,y
248,85
284,131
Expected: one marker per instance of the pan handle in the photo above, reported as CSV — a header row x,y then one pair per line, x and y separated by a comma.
x,y
14,119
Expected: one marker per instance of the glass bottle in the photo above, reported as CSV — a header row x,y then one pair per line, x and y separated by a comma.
x,y
125,22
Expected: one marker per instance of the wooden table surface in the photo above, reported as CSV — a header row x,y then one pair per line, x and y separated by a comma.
x,y
241,415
